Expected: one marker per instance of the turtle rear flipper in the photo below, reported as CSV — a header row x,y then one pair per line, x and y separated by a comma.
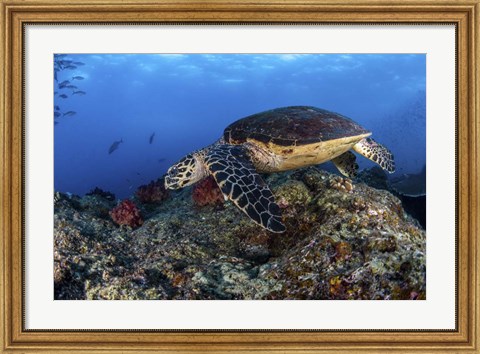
x,y
376,152
346,164
239,181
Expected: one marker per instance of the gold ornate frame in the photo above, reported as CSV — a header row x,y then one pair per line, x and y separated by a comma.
x,y
464,14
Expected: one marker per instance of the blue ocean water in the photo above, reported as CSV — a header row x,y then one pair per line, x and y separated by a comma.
x,y
187,100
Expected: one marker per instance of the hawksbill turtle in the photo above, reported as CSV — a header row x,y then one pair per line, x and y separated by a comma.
x,y
277,140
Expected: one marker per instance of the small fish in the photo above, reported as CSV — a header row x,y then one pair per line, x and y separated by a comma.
x,y
63,95
69,114
55,75
55,92
64,63
55,122
57,108
81,93
60,55
73,87
151,137
114,146
79,63
57,114
138,174
66,82
77,78
71,67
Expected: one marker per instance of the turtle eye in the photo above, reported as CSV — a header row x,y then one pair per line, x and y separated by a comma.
x,y
174,170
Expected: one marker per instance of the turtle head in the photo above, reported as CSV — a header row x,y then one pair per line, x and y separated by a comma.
x,y
185,172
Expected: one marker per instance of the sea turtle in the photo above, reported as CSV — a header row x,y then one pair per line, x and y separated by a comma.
x,y
276,140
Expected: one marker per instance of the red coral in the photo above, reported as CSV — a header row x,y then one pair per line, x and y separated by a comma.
x,y
153,192
126,213
206,192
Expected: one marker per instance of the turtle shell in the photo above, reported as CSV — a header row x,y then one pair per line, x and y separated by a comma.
x,y
292,126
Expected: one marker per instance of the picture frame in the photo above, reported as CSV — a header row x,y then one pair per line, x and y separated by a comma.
x,y
15,14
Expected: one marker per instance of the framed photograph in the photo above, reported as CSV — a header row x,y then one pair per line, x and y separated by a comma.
x,y
176,174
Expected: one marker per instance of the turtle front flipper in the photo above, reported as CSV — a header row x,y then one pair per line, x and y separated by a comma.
x,y
239,181
376,152
346,164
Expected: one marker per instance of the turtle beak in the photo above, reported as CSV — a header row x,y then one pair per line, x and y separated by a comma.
x,y
170,183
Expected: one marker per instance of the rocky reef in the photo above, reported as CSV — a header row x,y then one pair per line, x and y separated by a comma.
x,y
344,240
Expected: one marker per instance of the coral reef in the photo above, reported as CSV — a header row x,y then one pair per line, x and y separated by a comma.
x,y
410,188
206,192
412,191
374,177
154,192
341,184
126,213
339,244
104,194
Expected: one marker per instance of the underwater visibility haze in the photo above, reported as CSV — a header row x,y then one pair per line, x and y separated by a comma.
x,y
187,101
122,120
